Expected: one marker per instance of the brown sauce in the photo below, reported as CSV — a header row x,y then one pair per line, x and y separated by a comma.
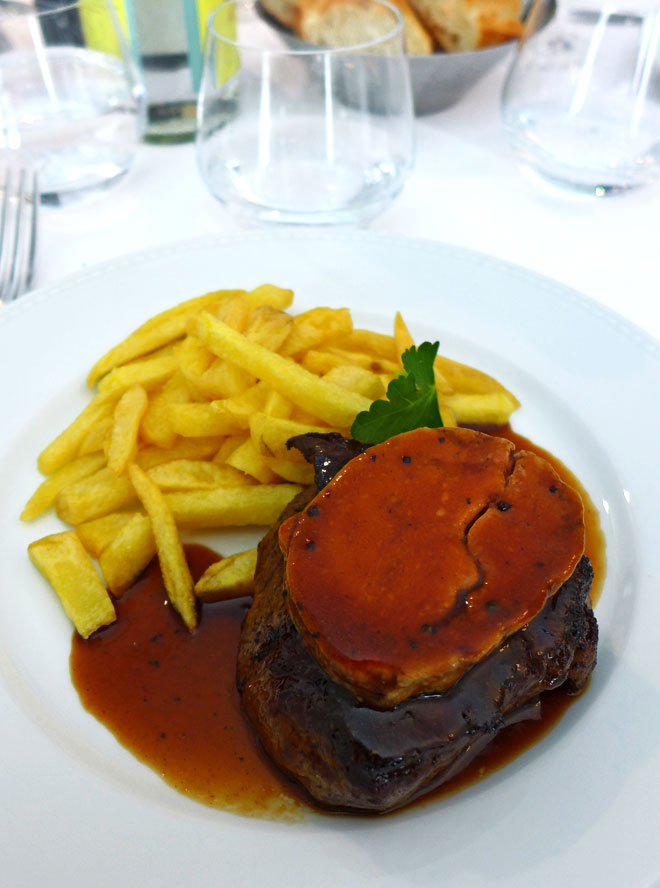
x,y
169,696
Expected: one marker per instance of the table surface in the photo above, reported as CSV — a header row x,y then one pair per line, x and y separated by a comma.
x,y
465,189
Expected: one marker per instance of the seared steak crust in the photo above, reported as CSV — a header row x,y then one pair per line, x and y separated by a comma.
x,y
350,756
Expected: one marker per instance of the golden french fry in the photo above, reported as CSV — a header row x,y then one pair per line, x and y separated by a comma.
x,y
291,470
269,294
234,312
231,577
223,380
334,405
468,380
123,444
270,434
277,405
246,458
172,558
203,447
195,474
159,330
156,427
93,497
202,420
96,437
149,373
316,326
493,408
46,494
124,559
365,360
379,344
193,358
357,379
403,339
269,327
63,448
228,446
63,561
258,504
97,534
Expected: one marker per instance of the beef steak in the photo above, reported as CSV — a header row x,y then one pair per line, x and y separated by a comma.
x,y
350,756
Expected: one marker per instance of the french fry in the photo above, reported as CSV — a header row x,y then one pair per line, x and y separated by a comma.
x,y
269,327
64,448
156,427
96,437
234,312
124,559
336,406
246,458
93,497
123,443
202,420
357,379
270,434
378,344
46,494
290,470
316,326
492,408
97,534
163,328
231,577
258,504
191,474
63,561
403,339
173,564
149,373
269,294
468,380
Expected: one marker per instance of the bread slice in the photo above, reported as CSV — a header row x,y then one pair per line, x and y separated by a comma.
x,y
464,25
347,22
282,10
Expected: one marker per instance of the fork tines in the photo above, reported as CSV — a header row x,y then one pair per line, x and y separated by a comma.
x,y
18,232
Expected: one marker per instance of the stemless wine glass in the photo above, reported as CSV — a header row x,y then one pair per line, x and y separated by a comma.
x,y
581,102
302,134
71,101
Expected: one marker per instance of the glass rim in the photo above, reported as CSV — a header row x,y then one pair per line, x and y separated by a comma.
x,y
16,9
309,49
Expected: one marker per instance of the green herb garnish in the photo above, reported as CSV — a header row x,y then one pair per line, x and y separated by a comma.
x,y
412,400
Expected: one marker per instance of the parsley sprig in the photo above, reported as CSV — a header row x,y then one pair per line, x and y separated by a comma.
x,y
412,400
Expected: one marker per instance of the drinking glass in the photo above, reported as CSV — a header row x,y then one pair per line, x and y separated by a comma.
x,y
581,102
71,102
302,134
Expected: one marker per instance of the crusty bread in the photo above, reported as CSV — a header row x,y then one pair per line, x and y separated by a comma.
x,y
463,25
282,10
346,22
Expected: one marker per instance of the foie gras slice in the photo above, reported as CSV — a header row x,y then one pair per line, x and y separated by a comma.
x,y
422,555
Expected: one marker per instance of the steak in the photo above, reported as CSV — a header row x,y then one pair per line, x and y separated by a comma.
x,y
352,756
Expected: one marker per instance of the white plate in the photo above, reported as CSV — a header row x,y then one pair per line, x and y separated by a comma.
x,y
579,809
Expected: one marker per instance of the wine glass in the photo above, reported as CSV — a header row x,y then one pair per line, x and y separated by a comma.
x,y
581,102
71,100
303,134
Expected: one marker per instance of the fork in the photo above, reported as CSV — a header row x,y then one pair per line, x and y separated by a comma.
x,y
18,232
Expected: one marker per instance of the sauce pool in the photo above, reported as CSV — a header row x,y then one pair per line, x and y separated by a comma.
x,y
170,697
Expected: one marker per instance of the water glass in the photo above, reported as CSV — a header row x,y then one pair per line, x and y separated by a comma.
x,y
71,102
302,134
581,102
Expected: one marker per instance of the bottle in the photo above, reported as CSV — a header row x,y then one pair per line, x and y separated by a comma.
x,y
167,37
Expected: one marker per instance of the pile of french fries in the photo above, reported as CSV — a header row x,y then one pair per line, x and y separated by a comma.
x,y
187,429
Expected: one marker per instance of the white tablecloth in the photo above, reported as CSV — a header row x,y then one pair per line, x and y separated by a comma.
x,y
465,189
